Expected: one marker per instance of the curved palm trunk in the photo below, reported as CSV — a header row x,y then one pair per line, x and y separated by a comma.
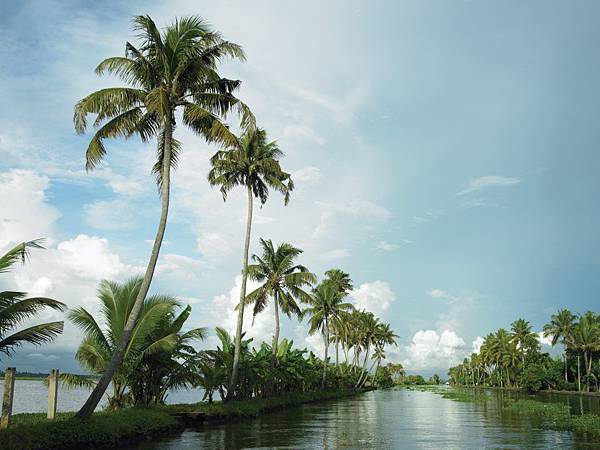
x,y
240,318
326,340
364,367
276,335
565,358
117,358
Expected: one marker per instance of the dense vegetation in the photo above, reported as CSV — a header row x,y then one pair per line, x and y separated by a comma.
x,y
514,358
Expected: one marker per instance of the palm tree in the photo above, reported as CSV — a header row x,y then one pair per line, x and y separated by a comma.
x,y
156,331
524,338
172,69
326,308
15,308
561,329
368,325
586,340
343,284
253,163
282,280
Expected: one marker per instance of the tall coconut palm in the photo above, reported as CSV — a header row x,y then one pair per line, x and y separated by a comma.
x,y
254,164
561,329
157,330
586,340
524,338
368,325
327,307
343,284
16,308
282,280
168,70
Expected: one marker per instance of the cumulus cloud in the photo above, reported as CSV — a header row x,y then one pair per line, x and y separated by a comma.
x,y
477,343
432,350
213,245
545,340
26,214
375,297
488,181
224,315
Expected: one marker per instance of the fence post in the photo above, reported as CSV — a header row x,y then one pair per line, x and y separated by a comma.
x,y
7,398
52,393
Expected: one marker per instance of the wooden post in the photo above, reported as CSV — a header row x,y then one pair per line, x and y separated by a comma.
x,y
52,393
7,398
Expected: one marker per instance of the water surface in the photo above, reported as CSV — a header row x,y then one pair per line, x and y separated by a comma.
x,y
392,419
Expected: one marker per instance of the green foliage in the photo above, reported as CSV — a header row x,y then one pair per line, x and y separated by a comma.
x,y
34,431
513,359
383,378
412,380
159,355
16,308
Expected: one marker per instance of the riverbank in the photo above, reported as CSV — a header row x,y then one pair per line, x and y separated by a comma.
x,y
554,416
116,428
515,389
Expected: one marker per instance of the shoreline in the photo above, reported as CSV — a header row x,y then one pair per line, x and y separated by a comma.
x,y
513,389
110,429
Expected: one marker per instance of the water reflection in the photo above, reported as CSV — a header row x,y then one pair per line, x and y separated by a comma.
x,y
398,419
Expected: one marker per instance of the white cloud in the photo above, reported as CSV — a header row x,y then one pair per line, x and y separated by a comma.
x,y
302,131
545,340
332,255
439,293
223,314
375,297
110,215
308,175
26,214
488,181
432,350
387,247
477,343
213,245
180,266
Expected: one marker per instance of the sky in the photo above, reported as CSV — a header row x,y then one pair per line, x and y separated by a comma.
x,y
444,154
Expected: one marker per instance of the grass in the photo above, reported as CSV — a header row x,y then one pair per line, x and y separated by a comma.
x,y
557,416
116,428
109,429
251,408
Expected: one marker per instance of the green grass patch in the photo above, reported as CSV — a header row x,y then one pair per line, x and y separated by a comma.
x,y
108,429
557,416
115,428
252,407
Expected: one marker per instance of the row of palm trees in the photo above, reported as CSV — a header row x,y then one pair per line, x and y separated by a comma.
x,y
512,358
162,352
171,76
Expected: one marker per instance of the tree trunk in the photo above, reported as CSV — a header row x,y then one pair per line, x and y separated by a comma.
x,y
565,358
326,341
117,358
364,366
337,354
578,375
276,335
240,318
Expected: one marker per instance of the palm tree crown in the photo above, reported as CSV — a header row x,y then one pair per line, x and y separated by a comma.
x,y
16,308
252,162
167,70
281,280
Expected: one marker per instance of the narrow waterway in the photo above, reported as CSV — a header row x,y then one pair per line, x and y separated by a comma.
x,y
393,419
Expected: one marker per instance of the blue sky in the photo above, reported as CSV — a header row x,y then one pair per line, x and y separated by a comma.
x,y
444,154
